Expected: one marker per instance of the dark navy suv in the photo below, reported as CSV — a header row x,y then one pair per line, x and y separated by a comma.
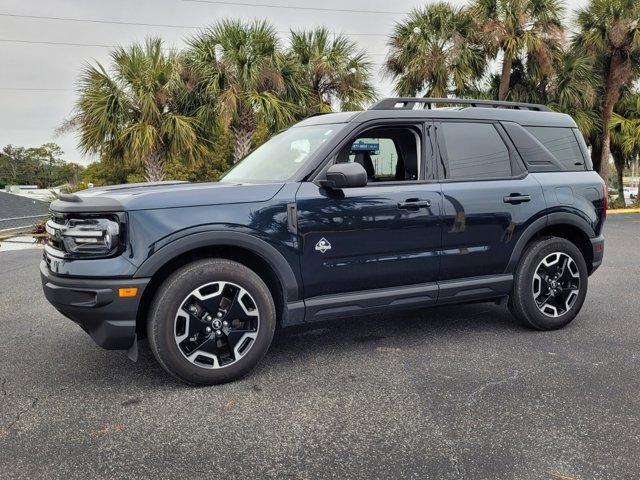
x,y
404,205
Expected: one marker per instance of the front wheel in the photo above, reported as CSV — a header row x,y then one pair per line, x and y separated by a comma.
x,y
211,322
550,284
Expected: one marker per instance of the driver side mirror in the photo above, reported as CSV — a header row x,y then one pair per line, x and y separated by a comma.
x,y
345,175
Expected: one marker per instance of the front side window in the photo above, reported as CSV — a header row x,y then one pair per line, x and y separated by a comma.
x,y
387,154
562,143
283,155
473,150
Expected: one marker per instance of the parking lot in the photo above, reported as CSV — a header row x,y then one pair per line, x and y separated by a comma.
x,y
452,392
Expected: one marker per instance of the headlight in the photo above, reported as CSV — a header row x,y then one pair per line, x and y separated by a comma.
x,y
84,236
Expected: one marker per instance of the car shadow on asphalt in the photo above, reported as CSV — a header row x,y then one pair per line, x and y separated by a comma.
x,y
415,326
393,331
383,331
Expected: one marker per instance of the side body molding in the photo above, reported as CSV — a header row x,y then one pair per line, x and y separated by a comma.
x,y
555,218
224,238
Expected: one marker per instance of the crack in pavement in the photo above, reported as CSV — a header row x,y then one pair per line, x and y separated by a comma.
x,y
4,430
7,428
453,456
451,453
473,395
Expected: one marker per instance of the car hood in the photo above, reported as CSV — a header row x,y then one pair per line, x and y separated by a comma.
x,y
146,196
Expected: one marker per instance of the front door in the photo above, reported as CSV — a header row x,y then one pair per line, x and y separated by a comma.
x,y
386,234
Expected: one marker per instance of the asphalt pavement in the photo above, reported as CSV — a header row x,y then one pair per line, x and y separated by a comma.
x,y
447,393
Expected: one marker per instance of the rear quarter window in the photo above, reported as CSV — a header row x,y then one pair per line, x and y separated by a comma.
x,y
563,145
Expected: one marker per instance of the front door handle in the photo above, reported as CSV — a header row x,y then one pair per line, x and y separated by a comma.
x,y
414,204
516,198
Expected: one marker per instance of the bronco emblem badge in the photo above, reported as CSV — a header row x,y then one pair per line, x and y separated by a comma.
x,y
323,245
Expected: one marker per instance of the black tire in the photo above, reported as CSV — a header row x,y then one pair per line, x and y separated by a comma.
x,y
170,298
522,302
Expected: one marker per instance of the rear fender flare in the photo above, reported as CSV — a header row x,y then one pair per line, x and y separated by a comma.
x,y
556,218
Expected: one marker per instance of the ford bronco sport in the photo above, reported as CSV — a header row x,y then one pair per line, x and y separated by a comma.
x,y
404,205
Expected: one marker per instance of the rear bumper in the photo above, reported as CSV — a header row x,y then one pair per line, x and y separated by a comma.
x,y
95,305
597,244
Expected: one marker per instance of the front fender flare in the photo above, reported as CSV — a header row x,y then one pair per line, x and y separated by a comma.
x,y
224,238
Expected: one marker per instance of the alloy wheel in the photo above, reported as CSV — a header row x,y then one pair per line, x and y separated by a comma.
x,y
556,284
216,325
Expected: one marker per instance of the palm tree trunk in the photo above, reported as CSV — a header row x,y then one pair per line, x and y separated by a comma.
x,y
542,90
596,155
243,130
636,173
619,161
606,150
154,167
616,78
505,77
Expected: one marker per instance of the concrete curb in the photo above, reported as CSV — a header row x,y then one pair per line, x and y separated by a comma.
x,y
621,211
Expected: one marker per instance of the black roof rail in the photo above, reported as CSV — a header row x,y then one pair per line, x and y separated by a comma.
x,y
409,103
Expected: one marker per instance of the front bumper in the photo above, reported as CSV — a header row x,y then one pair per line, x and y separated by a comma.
x,y
94,304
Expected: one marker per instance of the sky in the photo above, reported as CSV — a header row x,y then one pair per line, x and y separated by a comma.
x,y
37,80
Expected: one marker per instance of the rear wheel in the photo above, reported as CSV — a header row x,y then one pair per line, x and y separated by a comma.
x,y
211,322
550,284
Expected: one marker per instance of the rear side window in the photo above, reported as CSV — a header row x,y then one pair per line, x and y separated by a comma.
x,y
562,143
473,150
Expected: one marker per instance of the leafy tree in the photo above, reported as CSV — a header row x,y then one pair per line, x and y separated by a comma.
x,y
128,113
434,52
609,30
520,27
68,173
334,71
572,89
15,167
42,166
48,161
102,172
243,78
625,135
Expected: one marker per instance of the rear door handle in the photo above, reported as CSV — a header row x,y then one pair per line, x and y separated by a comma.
x,y
414,204
516,198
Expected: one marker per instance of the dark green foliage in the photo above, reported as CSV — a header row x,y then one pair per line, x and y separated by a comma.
x,y
42,166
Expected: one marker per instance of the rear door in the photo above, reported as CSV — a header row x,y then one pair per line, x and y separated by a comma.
x,y
488,198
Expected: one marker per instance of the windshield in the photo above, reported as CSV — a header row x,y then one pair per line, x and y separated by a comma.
x,y
283,155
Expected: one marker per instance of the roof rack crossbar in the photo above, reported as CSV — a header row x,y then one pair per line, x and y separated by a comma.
x,y
409,103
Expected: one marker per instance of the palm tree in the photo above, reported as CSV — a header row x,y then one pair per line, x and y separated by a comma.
x,y
625,135
333,71
243,79
127,112
574,90
517,27
433,51
610,32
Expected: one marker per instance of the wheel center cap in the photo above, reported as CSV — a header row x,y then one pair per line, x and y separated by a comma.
x,y
217,324
554,284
